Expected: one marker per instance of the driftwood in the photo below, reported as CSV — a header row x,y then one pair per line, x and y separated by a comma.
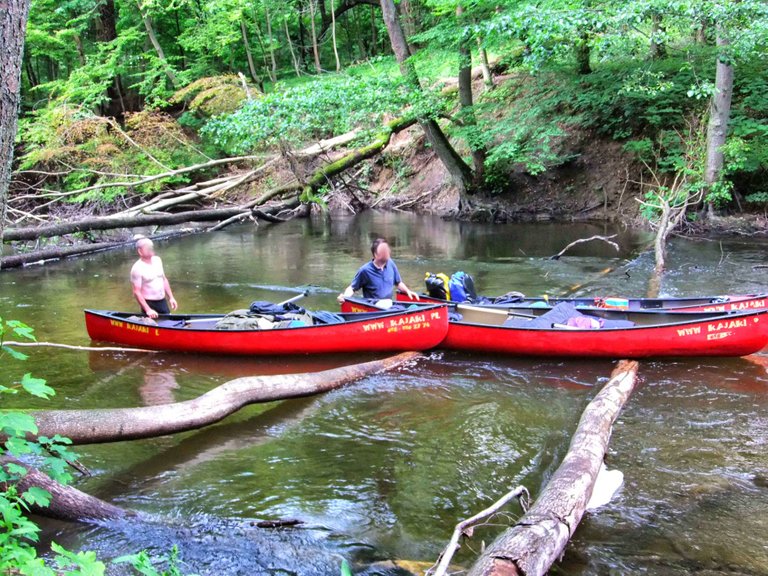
x,y
538,539
111,222
72,347
131,221
67,503
466,527
606,239
118,424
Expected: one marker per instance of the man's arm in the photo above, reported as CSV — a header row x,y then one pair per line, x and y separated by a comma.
x,y
403,288
356,284
348,292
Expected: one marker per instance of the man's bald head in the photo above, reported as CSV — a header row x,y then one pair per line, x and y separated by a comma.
x,y
144,243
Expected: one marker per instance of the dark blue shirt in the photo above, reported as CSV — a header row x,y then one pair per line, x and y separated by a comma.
x,y
377,283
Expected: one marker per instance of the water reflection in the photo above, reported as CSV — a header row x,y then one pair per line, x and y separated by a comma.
x,y
384,468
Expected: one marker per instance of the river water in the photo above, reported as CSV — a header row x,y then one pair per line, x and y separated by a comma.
x,y
381,470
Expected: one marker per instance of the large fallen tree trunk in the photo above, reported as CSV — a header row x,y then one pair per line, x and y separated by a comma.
x,y
538,539
380,142
110,222
115,425
131,221
67,503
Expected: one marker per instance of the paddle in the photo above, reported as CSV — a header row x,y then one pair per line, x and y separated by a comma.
x,y
283,303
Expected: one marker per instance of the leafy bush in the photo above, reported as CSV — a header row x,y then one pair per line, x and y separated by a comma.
x,y
309,111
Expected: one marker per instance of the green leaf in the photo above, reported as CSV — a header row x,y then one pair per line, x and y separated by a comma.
x,y
37,496
36,386
17,423
15,354
21,330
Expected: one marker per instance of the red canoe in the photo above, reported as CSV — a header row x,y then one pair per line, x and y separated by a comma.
x,y
654,334
696,304
418,329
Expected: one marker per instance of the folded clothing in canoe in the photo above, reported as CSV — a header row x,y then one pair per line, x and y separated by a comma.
x,y
565,315
250,320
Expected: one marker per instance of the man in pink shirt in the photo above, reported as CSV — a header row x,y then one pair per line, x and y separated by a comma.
x,y
150,285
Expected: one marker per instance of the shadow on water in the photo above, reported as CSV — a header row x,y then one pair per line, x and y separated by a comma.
x,y
383,468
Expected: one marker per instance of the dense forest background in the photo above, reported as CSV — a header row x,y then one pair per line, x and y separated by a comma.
x,y
509,95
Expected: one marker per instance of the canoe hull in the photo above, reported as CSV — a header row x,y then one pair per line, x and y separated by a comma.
x,y
420,329
730,335
657,334
733,303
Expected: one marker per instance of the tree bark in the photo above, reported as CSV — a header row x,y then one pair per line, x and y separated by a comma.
x,y
457,168
538,539
131,221
658,48
149,26
67,503
583,53
13,25
119,424
333,38
315,49
719,115
466,102
290,47
355,157
273,68
249,54
484,65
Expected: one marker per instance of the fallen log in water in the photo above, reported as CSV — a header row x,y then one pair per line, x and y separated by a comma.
x,y
67,503
538,539
94,426
118,424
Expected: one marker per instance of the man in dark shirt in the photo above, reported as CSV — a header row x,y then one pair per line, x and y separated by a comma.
x,y
377,277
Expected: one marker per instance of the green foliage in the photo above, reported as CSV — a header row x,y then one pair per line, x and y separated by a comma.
x,y
307,112
17,532
144,564
89,150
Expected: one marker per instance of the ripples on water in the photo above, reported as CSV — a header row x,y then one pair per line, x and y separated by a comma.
x,y
384,468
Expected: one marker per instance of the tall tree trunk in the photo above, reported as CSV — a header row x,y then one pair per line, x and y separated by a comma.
x,y
583,54
457,168
249,54
13,25
30,69
290,47
333,38
302,38
658,48
484,65
263,51
273,68
315,49
408,20
466,100
719,114
374,32
147,19
107,32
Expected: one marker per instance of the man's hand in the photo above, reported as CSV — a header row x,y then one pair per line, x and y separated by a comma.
x,y
151,313
172,302
340,298
413,296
